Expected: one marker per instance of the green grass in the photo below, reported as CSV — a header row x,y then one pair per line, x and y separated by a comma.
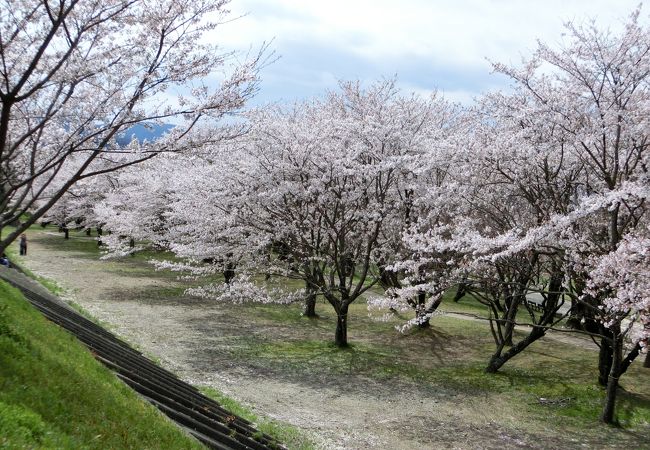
x,y
290,436
53,394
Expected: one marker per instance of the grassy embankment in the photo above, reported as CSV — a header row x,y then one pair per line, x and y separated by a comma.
x,y
549,390
53,394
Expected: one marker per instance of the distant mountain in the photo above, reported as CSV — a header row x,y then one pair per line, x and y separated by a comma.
x,y
144,131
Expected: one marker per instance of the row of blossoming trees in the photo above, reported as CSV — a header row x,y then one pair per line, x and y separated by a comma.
x,y
541,189
76,75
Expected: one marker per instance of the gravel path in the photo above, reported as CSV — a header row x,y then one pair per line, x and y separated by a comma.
x,y
188,337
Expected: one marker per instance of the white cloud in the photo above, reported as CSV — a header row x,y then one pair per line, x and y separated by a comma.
x,y
455,36
461,32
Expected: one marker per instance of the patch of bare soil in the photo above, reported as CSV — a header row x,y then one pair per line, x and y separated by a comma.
x,y
197,339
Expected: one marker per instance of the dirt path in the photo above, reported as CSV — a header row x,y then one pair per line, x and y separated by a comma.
x,y
189,337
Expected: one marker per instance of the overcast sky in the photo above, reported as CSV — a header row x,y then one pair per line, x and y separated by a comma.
x,y
436,44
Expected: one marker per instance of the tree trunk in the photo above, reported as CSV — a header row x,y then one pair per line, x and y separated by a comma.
x,y
341,336
607,415
576,313
310,303
509,326
87,231
66,232
461,291
426,313
420,311
498,360
604,360
228,274
646,363
629,359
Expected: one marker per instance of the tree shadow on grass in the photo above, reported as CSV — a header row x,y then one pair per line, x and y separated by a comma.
x,y
77,248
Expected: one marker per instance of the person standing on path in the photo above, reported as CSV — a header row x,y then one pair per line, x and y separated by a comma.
x,y
23,244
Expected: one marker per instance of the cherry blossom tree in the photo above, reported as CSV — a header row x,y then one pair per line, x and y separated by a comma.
x,y
574,172
550,191
423,189
134,206
319,192
74,75
76,208
599,95
523,178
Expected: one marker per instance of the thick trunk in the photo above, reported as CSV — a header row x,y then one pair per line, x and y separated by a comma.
x,y
461,291
607,415
508,337
576,314
604,361
87,231
310,304
509,319
629,359
341,336
228,274
646,363
498,360
66,233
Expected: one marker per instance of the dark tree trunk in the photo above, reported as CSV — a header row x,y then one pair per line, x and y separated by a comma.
x,y
229,274
576,313
310,303
87,231
66,232
461,291
646,363
629,359
498,360
99,236
607,415
510,318
131,242
341,336
604,360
